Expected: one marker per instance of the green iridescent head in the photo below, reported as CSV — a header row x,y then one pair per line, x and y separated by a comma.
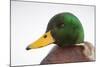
x,y
64,29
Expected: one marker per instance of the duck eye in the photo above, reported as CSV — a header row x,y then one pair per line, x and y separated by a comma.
x,y
45,36
62,25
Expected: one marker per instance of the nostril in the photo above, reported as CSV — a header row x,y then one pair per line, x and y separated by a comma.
x,y
45,36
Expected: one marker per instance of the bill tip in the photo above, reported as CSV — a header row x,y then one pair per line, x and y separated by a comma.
x,y
28,48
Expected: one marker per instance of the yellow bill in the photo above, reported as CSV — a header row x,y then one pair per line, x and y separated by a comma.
x,y
45,40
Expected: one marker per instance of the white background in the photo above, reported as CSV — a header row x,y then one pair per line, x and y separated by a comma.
x,y
4,35
29,21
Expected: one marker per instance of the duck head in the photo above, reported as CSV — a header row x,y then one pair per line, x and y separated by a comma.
x,y
64,29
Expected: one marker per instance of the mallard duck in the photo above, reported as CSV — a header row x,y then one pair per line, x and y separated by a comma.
x,y
66,31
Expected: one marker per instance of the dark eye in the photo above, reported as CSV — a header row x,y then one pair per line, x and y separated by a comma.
x,y
61,25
